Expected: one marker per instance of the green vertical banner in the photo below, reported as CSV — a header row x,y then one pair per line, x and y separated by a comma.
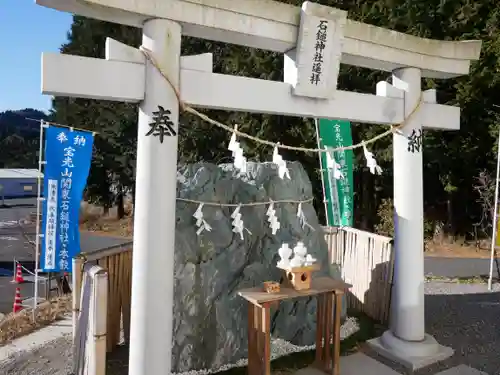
x,y
338,193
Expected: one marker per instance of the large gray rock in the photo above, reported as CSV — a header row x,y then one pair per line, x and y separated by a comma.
x,y
210,319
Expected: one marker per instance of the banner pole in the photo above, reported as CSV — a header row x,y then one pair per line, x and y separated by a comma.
x,y
335,195
495,219
37,230
325,201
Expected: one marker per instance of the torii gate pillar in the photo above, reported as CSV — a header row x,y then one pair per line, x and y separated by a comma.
x,y
407,315
406,341
154,217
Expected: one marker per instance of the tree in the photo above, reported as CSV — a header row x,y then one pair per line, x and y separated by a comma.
x,y
19,138
112,171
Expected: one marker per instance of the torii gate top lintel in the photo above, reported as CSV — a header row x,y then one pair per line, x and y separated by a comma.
x,y
274,26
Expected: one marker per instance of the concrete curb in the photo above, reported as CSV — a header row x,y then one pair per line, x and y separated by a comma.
x,y
37,339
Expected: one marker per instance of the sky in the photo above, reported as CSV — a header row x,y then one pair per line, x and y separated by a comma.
x,y
27,30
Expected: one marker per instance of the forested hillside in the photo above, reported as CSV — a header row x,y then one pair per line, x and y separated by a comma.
x,y
19,138
453,161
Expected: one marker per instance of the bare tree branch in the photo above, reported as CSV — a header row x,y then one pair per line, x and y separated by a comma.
x,y
485,188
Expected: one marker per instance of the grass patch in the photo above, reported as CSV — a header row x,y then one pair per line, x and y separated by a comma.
x,y
20,324
296,361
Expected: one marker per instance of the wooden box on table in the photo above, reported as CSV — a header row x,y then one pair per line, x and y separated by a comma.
x,y
299,278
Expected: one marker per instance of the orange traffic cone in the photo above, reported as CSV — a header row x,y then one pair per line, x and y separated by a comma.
x,y
18,277
18,306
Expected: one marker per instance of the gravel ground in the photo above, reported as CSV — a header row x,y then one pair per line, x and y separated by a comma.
x,y
55,357
118,361
463,316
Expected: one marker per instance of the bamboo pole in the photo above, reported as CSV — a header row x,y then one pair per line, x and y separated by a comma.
x,y
99,323
127,296
117,313
77,276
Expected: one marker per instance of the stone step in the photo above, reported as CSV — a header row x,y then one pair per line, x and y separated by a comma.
x,y
361,364
354,364
461,370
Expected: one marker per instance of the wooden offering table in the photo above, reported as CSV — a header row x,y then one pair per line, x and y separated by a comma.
x,y
329,296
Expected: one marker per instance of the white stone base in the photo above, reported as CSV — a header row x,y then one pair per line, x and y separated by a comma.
x,y
411,354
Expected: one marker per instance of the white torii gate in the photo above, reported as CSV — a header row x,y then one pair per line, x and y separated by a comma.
x,y
316,40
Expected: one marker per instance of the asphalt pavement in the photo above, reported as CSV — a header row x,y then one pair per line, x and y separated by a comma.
x,y
460,267
17,236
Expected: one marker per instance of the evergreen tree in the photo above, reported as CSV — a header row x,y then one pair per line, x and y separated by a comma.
x,y
115,123
451,160
19,138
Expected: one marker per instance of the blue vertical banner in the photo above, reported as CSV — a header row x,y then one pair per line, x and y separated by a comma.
x,y
68,154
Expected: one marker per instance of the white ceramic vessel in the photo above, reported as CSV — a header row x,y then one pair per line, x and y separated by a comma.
x,y
285,252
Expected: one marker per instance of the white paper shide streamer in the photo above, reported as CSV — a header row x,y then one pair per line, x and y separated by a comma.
x,y
239,160
332,164
371,163
181,178
302,217
274,224
278,160
200,221
238,225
